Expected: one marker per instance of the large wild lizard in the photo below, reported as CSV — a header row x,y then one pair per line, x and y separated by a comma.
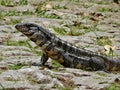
x,y
65,53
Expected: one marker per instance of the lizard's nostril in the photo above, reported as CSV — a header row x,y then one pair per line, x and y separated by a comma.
x,y
16,26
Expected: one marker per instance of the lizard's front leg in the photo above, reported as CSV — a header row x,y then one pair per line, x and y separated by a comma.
x,y
43,60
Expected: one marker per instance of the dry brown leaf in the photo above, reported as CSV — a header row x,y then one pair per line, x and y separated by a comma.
x,y
109,48
47,6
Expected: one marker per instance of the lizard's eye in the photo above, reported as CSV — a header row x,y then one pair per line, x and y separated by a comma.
x,y
33,28
21,28
32,31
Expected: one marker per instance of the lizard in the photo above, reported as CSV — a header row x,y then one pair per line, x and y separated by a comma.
x,y
64,52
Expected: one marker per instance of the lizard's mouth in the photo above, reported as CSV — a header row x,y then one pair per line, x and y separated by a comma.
x,y
21,27
18,26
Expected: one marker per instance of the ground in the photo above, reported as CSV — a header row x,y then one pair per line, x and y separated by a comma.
x,y
90,24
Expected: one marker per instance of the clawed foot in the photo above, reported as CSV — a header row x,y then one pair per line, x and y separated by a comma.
x,y
39,64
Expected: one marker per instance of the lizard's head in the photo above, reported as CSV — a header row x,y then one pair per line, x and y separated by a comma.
x,y
32,31
27,28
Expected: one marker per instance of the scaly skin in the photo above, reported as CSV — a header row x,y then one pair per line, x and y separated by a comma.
x,y
66,54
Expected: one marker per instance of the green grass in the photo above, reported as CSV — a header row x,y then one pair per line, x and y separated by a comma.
x,y
36,50
1,15
60,7
5,2
105,9
24,43
2,87
75,30
114,86
13,21
26,13
85,17
65,88
11,13
74,1
23,2
101,41
103,2
1,58
56,65
15,13
16,43
60,31
52,16
102,74
42,13
9,2
17,66
31,80
85,5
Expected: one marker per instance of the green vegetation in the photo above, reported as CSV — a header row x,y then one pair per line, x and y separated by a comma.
x,y
74,0
13,21
42,13
17,43
114,86
86,17
26,13
52,16
30,79
17,66
102,74
56,65
75,30
5,2
11,13
105,9
1,15
101,41
10,2
35,49
60,7
23,2
61,31
2,87
103,2
86,5
1,58
14,13
12,79
39,7
65,88
24,43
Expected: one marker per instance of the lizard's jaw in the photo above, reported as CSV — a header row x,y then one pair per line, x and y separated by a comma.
x,y
22,28
18,26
